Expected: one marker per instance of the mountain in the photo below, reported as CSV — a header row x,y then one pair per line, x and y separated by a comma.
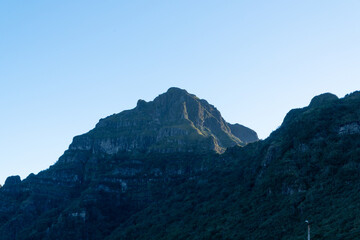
x,y
308,169
125,163
175,121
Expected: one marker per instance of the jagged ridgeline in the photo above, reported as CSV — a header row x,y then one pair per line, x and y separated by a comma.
x,y
155,172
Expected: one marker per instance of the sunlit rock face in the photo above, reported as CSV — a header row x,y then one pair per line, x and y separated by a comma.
x,y
175,121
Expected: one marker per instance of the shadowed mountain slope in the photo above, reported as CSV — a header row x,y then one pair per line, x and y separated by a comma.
x,y
175,121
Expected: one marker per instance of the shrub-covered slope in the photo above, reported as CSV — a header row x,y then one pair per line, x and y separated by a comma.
x,y
126,162
309,168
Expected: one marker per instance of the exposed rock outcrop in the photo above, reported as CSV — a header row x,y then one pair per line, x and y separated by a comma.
x,y
175,121
350,128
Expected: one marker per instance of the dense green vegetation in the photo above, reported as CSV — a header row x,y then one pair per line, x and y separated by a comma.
x,y
309,168
304,170
239,202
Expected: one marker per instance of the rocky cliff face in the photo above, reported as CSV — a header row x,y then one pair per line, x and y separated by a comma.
x,y
175,121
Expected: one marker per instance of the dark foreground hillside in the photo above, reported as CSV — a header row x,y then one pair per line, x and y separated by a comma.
x,y
309,168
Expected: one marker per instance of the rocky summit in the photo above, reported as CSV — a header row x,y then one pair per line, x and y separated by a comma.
x,y
175,121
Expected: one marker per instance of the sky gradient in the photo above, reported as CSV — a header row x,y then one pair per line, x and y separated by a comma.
x,y
66,64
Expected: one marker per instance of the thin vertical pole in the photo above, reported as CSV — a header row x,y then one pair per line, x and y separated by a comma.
x,y
308,231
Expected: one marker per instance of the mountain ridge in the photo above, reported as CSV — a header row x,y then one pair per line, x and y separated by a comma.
x,y
175,121
306,169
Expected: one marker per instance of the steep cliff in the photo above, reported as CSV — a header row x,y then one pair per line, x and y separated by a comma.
x,y
175,121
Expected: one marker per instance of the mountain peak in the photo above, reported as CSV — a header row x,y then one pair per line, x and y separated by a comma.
x,y
323,99
175,95
175,121
176,90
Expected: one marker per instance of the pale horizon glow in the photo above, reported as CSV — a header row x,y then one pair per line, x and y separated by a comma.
x,y
64,65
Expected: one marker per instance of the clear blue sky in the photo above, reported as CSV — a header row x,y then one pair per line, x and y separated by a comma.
x,y
66,64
